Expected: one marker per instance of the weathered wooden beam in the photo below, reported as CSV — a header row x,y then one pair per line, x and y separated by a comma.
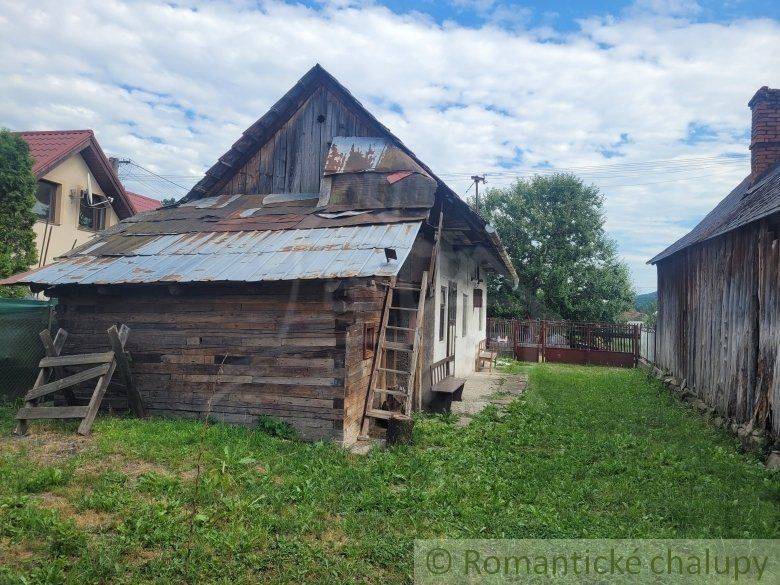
x,y
35,412
94,403
53,349
68,381
76,360
118,339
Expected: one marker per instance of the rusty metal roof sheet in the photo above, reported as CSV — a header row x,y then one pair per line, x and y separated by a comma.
x,y
353,154
745,204
249,256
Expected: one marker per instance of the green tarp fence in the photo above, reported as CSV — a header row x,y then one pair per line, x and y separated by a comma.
x,y
20,347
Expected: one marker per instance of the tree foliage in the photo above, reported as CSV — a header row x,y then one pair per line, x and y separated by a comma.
x,y
553,229
17,197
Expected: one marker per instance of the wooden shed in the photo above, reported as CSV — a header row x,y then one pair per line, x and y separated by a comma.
x,y
719,290
319,273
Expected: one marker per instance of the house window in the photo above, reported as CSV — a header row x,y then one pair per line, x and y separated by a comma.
x,y
478,303
45,200
369,340
442,312
465,314
92,217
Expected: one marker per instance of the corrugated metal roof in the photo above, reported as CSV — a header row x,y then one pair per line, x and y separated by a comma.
x,y
745,204
249,256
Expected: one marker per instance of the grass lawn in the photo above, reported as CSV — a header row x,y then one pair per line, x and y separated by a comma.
x,y
586,452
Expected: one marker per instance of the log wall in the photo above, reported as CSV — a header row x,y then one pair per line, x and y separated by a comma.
x,y
236,352
719,322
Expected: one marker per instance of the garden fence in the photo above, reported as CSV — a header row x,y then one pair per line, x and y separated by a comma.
x,y
21,349
609,344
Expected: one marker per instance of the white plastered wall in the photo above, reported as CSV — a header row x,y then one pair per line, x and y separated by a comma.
x,y
461,268
70,174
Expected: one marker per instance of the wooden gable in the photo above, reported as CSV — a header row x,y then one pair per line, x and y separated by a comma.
x,y
292,159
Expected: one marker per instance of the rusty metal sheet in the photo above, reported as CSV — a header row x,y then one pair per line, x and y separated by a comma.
x,y
246,256
357,154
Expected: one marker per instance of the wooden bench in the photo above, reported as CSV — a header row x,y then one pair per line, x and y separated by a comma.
x,y
485,355
446,388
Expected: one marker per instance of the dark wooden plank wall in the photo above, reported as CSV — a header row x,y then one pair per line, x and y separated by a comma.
x,y
718,329
285,345
292,160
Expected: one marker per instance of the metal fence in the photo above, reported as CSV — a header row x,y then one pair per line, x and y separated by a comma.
x,y
612,344
20,347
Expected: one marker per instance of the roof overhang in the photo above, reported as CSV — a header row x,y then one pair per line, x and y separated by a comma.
x,y
244,256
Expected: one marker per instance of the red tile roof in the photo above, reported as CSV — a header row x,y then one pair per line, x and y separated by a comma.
x,y
142,203
49,147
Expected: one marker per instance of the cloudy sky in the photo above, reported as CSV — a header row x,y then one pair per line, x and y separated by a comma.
x,y
646,99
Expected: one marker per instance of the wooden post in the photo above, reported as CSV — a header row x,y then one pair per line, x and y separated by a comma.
x,y
636,345
97,397
118,339
53,349
542,339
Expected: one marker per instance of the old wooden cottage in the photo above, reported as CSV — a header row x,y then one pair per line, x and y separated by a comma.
x,y
319,273
719,290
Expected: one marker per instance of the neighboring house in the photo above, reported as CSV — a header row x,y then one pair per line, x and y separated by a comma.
x,y
718,325
67,164
265,290
142,203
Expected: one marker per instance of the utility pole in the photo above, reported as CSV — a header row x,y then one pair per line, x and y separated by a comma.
x,y
477,180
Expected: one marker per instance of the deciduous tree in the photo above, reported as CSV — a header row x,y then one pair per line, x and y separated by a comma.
x,y
553,229
17,197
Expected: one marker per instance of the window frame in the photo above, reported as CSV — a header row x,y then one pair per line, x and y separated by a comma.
x,y
99,216
442,313
54,198
464,325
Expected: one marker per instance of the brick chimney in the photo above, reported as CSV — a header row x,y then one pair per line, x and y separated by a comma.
x,y
765,133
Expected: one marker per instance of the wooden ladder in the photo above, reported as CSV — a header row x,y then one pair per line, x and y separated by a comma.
x,y
387,353
103,367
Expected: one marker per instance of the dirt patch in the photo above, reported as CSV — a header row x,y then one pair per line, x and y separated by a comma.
x,y
13,554
48,447
54,502
132,468
93,521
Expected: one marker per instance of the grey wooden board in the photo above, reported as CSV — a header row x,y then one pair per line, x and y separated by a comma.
x,y
34,412
75,360
68,381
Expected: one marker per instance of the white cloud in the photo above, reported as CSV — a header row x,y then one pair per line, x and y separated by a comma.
x,y
173,86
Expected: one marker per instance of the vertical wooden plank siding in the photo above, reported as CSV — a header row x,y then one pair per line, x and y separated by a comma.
x,y
718,321
292,160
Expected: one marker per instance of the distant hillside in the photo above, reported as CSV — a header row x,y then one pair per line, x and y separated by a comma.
x,y
643,301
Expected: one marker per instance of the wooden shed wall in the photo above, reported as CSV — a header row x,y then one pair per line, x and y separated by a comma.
x,y
278,348
719,321
293,159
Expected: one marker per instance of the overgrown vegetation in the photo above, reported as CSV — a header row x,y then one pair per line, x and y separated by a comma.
x,y
587,452
17,197
553,229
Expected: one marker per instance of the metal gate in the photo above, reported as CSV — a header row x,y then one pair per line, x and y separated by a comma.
x,y
604,344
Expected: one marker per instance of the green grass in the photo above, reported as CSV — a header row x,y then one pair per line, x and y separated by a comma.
x,y
587,452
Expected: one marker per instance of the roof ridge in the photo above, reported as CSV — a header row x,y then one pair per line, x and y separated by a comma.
x,y
84,131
